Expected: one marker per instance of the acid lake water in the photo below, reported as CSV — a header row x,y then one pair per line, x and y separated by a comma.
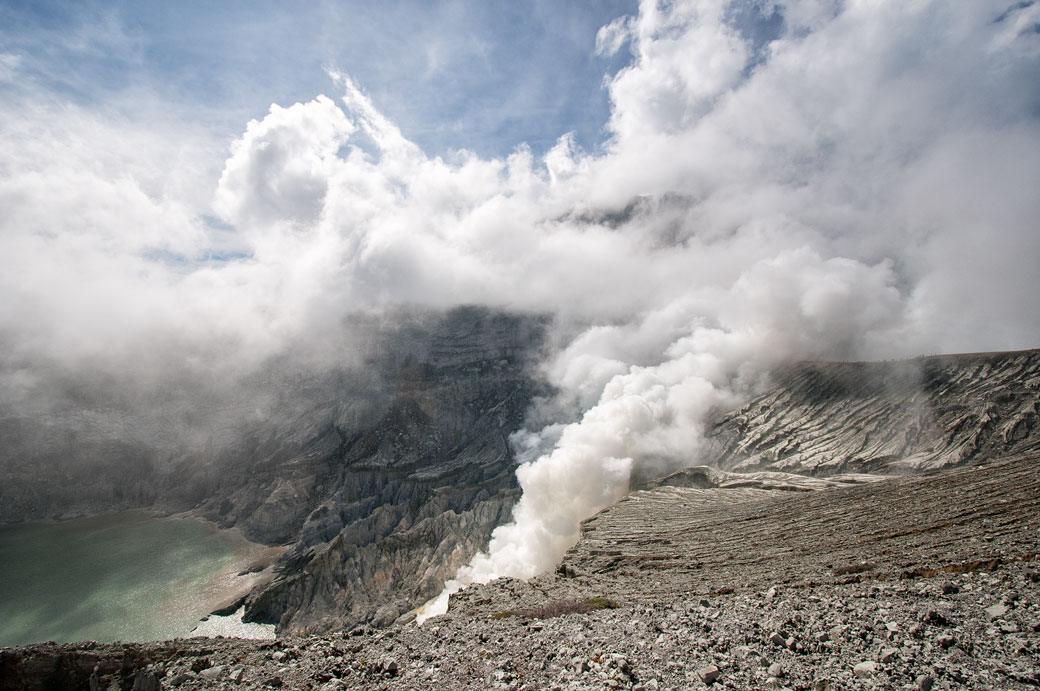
x,y
123,576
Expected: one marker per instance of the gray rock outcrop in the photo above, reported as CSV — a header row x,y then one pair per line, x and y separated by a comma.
x,y
829,418
382,476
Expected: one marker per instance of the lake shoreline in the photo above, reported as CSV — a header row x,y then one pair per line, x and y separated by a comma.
x,y
137,575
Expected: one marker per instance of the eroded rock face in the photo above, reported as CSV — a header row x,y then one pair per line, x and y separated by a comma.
x,y
887,417
383,476
398,505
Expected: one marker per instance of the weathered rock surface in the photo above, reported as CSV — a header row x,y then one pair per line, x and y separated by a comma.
x,y
383,476
826,418
949,599
680,542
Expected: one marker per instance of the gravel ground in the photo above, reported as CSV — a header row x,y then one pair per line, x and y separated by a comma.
x,y
947,596
978,630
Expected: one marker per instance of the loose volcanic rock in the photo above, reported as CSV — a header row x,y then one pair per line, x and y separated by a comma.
x,y
925,582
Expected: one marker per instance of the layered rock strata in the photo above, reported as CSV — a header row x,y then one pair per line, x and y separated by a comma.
x,y
827,418
382,476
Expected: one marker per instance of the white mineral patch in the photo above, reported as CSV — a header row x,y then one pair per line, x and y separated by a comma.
x,y
231,626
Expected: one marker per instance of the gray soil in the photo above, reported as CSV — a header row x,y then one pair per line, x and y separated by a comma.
x,y
926,582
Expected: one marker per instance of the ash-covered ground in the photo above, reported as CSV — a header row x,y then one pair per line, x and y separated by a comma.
x,y
937,588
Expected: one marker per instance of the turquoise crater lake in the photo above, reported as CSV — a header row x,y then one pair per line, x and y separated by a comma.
x,y
125,576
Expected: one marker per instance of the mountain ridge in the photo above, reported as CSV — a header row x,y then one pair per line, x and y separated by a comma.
x,y
826,418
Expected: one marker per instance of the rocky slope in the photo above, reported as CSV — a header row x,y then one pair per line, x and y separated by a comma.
x,y
670,541
382,475
388,510
885,417
926,582
383,478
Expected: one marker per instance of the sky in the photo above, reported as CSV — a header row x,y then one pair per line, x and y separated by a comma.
x,y
452,75
695,190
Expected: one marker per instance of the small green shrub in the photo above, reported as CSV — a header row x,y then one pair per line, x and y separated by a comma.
x,y
600,602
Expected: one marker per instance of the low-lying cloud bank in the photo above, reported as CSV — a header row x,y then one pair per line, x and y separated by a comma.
x,y
795,179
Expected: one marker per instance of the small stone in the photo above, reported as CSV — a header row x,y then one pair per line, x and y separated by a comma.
x,y
822,685
212,673
888,654
236,674
708,674
179,678
776,639
996,611
776,670
771,593
924,683
865,669
333,685
648,685
278,656
791,643
945,641
948,589
743,652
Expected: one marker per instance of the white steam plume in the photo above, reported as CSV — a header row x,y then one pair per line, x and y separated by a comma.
x,y
650,418
717,340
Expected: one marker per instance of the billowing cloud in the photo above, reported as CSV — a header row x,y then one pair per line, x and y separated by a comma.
x,y
279,170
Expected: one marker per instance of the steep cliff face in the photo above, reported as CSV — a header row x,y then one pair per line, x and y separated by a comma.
x,y
382,475
403,502
885,417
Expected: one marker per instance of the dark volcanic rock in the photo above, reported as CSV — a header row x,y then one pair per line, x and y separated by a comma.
x,y
385,476
400,504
